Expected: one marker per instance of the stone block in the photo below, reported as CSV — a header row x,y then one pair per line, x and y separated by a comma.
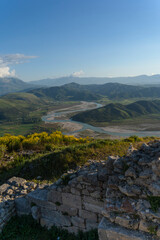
x,y
93,208
75,191
78,222
110,231
88,215
54,196
69,210
91,225
85,192
56,217
93,201
71,200
96,194
127,222
35,212
22,206
155,189
39,197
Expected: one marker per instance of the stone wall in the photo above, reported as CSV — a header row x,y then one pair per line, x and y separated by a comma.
x,y
120,197
14,190
74,202
132,206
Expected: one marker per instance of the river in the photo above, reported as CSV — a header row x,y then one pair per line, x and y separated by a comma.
x,y
59,116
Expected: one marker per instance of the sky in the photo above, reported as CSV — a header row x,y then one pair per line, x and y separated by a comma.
x,y
101,38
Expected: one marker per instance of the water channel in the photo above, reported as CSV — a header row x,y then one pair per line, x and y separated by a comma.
x,y
55,117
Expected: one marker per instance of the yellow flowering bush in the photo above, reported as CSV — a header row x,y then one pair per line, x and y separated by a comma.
x,y
38,140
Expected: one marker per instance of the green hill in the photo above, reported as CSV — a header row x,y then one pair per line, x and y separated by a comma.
x,y
66,93
117,91
20,107
116,111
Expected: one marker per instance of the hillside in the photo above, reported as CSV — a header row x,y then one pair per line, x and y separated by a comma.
x,y
116,91
19,107
66,93
116,111
9,85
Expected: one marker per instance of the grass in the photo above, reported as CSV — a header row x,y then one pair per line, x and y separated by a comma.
x,y
15,129
28,128
25,228
51,165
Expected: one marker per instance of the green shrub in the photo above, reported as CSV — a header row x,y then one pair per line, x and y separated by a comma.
x,y
154,202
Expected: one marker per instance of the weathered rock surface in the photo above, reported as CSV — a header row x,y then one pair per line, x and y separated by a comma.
x,y
132,206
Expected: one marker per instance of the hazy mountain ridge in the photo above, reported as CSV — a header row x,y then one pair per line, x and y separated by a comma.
x,y
135,80
10,85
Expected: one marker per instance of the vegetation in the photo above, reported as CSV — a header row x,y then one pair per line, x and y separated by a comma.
x,y
154,202
38,141
117,91
65,93
152,229
116,111
25,228
51,155
22,108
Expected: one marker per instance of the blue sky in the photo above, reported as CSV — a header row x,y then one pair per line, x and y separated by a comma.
x,y
51,38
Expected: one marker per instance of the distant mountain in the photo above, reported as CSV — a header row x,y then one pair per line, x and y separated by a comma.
x,y
93,92
65,93
118,111
137,80
9,85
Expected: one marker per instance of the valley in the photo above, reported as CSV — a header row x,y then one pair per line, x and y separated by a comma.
x,y
147,125
99,111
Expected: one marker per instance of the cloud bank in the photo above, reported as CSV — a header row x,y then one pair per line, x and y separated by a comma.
x,y
77,74
11,59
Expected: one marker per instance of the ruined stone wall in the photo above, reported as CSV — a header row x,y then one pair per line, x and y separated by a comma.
x,y
11,193
74,202
120,197
132,206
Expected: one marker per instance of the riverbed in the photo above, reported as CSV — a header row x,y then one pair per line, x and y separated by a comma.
x,y
70,127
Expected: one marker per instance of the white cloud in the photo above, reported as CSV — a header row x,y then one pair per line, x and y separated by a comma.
x,y
6,72
77,74
11,59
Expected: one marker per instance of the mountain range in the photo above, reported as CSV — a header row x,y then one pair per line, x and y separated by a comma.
x,y
136,80
92,92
